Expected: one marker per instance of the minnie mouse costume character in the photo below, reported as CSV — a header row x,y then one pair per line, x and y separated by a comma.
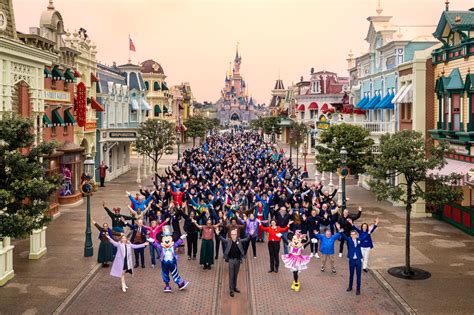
x,y
294,260
169,258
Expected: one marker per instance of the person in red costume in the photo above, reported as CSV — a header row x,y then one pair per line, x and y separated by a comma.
x,y
274,237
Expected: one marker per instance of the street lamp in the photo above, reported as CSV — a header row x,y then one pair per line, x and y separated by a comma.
x,y
178,139
86,188
343,172
305,153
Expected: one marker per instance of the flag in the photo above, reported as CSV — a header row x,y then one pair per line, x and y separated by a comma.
x,y
132,46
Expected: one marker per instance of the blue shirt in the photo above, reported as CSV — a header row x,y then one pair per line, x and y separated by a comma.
x,y
326,245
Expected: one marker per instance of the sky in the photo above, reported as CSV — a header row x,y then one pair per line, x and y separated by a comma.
x,y
194,40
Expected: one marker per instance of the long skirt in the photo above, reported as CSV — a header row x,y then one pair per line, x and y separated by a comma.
x,y
106,252
207,252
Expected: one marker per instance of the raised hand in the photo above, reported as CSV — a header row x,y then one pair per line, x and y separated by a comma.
x,y
183,236
377,221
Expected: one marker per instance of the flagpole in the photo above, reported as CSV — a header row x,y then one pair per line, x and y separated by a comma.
x,y
129,59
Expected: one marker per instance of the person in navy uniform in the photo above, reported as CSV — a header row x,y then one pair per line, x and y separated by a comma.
x,y
354,255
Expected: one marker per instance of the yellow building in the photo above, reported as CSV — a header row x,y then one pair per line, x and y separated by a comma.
x,y
159,96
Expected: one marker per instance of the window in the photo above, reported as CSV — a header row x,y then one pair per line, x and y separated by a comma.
x,y
302,115
156,86
311,114
409,105
446,112
455,111
147,85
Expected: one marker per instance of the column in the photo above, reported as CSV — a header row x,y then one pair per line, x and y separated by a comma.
x,y
144,166
138,171
38,243
6,260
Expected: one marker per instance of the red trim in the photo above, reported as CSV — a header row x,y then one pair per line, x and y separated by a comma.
x,y
457,215
313,106
301,108
466,219
324,108
77,74
94,78
447,211
96,105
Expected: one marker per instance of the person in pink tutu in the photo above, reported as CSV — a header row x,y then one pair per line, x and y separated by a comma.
x,y
295,260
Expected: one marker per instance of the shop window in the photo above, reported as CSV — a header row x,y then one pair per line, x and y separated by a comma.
x,y
302,115
409,105
311,114
456,113
402,111
70,167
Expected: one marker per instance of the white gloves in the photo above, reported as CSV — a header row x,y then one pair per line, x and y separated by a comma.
x,y
183,236
314,240
150,240
279,234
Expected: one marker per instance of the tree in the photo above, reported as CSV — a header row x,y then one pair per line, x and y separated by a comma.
x,y
268,124
298,133
404,156
197,127
155,137
355,139
24,186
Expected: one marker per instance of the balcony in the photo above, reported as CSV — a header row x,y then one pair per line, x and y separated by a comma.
x,y
376,128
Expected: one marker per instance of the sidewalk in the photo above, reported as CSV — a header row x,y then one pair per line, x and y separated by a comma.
x,y
437,247
40,286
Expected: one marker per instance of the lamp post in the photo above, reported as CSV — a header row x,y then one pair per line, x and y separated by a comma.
x,y
305,153
343,172
178,139
86,188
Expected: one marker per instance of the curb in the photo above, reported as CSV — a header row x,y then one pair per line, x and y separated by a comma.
x,y
405,307
77,290
216,301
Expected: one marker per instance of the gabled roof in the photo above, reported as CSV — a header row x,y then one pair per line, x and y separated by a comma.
x,y
469,83
456,20
452,82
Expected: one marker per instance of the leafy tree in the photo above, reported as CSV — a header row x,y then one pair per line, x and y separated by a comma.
x,y
268,124
298,134
197,127
24,186
355,139
404,155
155,137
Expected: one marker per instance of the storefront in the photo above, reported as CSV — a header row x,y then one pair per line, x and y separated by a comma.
x,y
70,168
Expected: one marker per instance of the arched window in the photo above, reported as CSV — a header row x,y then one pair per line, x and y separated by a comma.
x,y
156,86
157,110
147,85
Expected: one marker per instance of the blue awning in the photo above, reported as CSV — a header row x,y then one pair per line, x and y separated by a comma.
x,y
145,105
372,103
362,102
386,102
134,104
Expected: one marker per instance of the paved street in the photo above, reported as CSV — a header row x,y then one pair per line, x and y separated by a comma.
x,y
39,287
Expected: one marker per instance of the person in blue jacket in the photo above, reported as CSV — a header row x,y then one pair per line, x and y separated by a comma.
x,y
326,247
354,255
367,244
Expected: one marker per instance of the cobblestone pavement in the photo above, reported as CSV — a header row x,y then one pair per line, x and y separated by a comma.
x,y
321,292
145,294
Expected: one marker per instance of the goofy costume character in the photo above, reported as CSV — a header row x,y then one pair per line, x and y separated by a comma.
x,y
169,258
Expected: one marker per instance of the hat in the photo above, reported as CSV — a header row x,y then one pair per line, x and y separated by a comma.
x,y
167,231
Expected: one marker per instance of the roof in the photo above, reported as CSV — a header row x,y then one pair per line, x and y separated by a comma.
x,y
279,85
457,21
151,66
107,74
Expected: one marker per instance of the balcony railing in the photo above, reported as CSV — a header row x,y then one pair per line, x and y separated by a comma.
x,y
374,127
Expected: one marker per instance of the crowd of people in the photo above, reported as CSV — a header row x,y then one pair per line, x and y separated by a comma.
x,y
229,193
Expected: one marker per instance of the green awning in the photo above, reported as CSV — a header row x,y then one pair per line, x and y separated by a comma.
x,y
57,119
164,87
46,121
69,75
165,109
57,74
157,110
69,118
47,73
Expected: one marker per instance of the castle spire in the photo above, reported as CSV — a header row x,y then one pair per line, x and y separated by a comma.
x,y
379,8
237,51
50,5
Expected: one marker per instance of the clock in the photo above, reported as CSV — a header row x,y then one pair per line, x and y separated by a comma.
x,y
3,21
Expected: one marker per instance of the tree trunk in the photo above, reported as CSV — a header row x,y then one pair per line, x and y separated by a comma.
x,y
156,170
408,225
297,153
194,141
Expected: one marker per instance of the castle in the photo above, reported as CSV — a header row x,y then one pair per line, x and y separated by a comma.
x,y
234,105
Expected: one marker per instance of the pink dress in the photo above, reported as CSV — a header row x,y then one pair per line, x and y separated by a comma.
x,y
294,260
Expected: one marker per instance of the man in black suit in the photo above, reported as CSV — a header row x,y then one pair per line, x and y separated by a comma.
x,y
233,254
138,237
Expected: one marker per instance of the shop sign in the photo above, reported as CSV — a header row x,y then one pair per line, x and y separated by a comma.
x,y
57,96
323,122
458,148
122,134
90,125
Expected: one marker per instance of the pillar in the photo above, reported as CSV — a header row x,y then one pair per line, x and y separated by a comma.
x,y
6,260
139,170
38,243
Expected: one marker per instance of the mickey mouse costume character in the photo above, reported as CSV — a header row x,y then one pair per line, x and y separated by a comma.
x,y
169,259
294,260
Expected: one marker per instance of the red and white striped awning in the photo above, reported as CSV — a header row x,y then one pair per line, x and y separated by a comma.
x,y
455,166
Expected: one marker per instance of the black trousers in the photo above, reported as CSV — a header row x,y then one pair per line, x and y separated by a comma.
x,y
218,243
253,241
192,240
274,250
102,180
139,252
